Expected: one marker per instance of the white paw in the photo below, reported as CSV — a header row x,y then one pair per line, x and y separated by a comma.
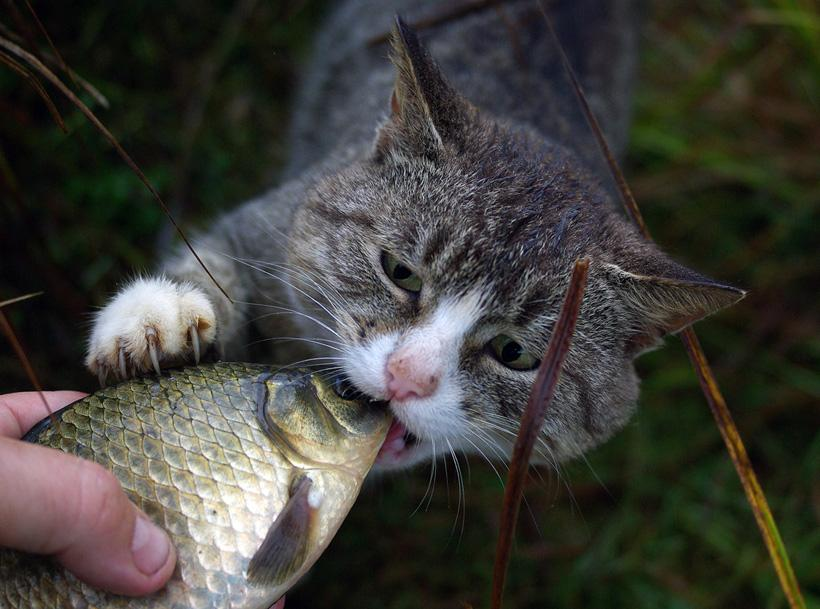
x,y
151,323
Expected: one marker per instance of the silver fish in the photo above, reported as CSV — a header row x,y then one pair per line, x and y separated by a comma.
x,y
250,472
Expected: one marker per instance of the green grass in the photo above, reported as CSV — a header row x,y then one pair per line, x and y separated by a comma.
x,y
725,165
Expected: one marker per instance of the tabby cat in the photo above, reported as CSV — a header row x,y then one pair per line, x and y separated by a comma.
x,y
428,262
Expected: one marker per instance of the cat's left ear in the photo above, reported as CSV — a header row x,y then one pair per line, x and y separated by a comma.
x,y
666,298
426,112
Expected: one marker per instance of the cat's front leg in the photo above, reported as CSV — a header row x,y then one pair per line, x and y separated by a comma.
x,y
151,323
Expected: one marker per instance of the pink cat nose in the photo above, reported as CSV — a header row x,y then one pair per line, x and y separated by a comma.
x,y
407,379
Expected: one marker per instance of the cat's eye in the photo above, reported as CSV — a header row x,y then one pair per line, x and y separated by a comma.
x,y
510,353
400,274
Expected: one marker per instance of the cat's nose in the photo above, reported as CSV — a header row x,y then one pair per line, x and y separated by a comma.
x,y
409,378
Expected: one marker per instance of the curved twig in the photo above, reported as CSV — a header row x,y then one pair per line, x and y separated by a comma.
x,y
21,353
531,422
35,83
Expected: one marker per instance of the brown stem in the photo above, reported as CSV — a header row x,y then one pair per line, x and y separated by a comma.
x,y
35,83
533,419
48,74
54,50
708,383
21,355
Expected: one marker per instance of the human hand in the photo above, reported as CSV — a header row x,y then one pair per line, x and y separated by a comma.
x,y
74,509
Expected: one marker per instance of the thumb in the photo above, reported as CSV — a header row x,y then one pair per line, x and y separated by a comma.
x,y
59,504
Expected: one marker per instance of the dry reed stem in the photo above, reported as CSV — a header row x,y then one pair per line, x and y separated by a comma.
x,y
549,372
51,59
21,353
12,301
723,418
49,75
35,83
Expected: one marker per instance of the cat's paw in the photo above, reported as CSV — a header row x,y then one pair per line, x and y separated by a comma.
x,y
150,324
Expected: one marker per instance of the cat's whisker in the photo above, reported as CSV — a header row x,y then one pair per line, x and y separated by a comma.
x,y
290,312
561,477
473,430
320,373
325,288
480,439
446,478
508,427
484,455
431,480
435,472
310,360
290,285
298,314
483,434
466,464
278,310
312,341
506,430
327,374
293,287
461,508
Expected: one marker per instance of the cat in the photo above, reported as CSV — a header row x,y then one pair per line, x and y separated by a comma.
x,y
428,262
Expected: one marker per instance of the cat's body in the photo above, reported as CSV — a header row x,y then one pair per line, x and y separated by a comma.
x,y
500,58
429,258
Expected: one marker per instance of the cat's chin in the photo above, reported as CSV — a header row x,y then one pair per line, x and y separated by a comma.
x,y
401,449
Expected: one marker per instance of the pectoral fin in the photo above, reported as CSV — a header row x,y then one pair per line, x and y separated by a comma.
x,y
285,547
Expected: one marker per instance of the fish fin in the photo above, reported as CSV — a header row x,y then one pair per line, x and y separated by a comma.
x,y
285,547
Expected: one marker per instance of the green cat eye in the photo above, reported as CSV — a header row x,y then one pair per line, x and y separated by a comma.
x,y
512,354
400,274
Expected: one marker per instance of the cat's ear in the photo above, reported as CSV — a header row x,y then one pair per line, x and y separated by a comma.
x,y
665,297
425,111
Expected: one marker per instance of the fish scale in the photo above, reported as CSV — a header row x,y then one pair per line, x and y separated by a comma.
x,y
191,451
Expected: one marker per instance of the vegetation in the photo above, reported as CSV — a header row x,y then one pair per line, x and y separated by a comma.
x,y
724,163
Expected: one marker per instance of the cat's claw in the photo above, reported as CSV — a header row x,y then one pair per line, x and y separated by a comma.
x,y
151,324
194,334
151,338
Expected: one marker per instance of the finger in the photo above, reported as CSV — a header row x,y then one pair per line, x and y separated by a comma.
x,y
20,411
59,504
280,604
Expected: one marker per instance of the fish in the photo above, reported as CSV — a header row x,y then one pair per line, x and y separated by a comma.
x,y
250,471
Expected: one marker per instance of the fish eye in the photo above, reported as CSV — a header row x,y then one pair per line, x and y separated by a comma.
x,y
343,388
400,274
510,353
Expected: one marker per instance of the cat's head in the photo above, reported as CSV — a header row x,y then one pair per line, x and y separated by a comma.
x,y
443,258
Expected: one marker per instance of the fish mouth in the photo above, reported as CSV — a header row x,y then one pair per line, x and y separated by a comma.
x,y
398,447
401,447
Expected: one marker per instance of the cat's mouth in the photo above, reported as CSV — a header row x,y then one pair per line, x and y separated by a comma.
x,y
398,445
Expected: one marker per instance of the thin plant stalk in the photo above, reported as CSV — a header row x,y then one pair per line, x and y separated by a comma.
x,y
39,67
549,372
5,325
717,404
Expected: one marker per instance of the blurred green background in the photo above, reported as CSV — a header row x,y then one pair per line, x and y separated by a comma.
x,y
725,162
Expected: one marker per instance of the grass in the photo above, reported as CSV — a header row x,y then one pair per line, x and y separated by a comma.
x,y
724,163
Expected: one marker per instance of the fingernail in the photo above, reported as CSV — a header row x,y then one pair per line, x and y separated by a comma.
x,y
150,546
